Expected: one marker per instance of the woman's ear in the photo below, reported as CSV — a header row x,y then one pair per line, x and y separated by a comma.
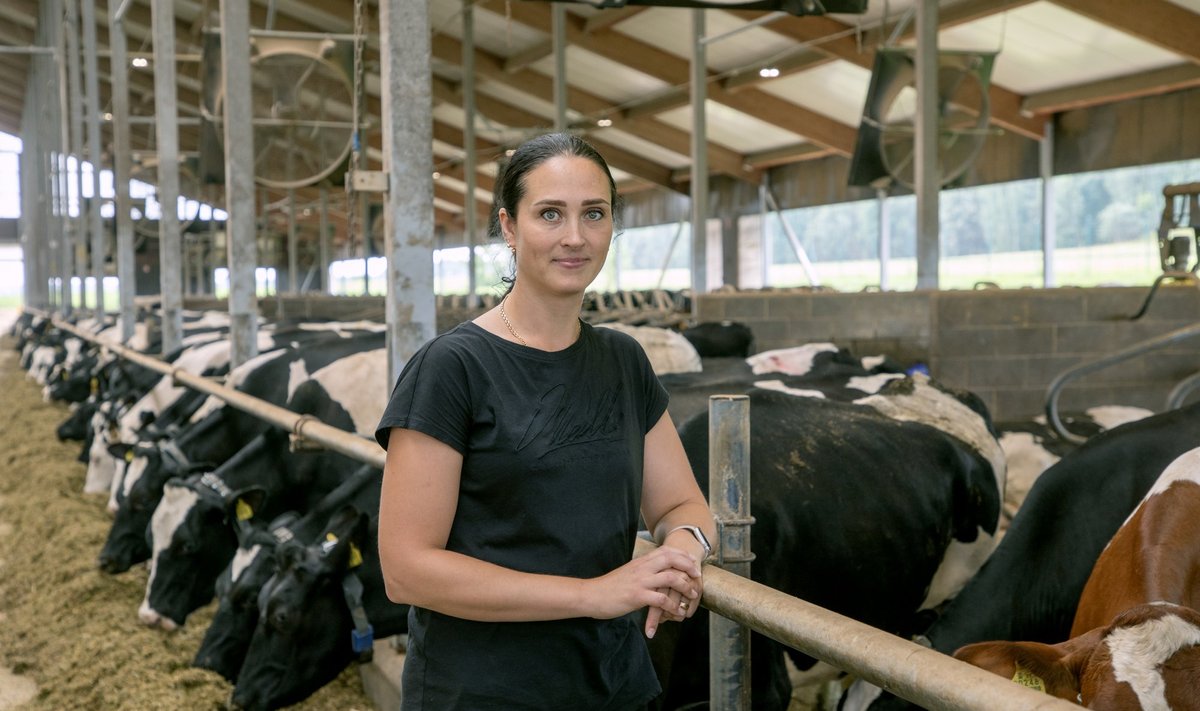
x,y
506,228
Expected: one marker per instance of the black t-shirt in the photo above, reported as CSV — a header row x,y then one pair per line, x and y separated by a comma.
x,y
551,483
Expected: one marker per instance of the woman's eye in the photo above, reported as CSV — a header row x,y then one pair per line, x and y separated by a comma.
x,y
595,214
550,214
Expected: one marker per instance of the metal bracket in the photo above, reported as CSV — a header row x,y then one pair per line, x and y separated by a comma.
x,y
369,181
737,524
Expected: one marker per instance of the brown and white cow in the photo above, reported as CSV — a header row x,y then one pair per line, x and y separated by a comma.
x,y
1135,641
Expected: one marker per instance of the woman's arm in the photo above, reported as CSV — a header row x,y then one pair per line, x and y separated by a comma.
x,y
417,507
670,495
671,498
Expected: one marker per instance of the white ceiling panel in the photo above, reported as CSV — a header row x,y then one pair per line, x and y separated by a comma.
x,y
493,33
733,129
837,90
603,77
1043,46
641,147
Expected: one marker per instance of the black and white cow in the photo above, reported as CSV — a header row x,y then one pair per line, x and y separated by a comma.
x,y
192,541
215,434
319,612
723,339
1030,586
228,636
879,509
1032,446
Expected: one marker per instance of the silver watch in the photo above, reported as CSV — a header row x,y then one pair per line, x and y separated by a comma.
x,y
698,533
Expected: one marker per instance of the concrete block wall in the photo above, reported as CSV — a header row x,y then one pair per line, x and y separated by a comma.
x,y
1004,345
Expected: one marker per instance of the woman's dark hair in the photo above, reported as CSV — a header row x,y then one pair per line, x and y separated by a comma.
x,y
510,184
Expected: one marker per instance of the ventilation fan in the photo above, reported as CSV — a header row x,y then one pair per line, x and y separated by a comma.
x,y
301,98
147,208
885,150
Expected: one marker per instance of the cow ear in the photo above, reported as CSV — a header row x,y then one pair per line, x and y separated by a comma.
x,y
242,505
1031,664
345,538
121,450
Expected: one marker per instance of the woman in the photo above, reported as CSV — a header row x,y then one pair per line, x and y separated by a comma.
x,y
521,448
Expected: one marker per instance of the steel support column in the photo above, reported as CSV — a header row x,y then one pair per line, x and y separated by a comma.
x,y
91,119
406,78
240,234
699,84
1049,213
62,182
166,128
74,149
293,279
323,239
928,172
470,225
122,167
885,238
729,494
558,32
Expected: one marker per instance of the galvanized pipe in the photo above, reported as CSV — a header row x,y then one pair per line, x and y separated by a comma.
x,y
79,226
91,91
293,264
62,182
699,149
1055,388
240,236
166,129
469,157
729,498
304,427
323,240
122,167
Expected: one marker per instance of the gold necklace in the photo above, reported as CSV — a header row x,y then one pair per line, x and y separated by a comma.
x,y
513,331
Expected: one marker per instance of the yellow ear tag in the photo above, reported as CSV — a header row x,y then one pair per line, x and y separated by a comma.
x,y
129,455
95,385
1026,678
355,556
244,512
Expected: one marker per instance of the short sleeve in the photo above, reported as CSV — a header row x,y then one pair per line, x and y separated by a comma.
x,y
431,396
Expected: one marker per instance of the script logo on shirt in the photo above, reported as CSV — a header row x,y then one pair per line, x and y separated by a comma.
x,y
573,416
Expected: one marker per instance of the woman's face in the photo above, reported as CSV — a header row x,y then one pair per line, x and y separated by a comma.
x,y
563,226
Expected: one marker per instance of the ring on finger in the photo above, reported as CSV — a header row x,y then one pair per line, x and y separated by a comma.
x,y
683,605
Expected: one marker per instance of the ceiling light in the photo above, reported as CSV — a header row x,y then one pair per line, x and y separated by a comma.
x,y
108,116
768,72
604,122
140,62
436,175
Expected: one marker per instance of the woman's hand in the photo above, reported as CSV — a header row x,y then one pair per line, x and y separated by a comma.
x,y
666,580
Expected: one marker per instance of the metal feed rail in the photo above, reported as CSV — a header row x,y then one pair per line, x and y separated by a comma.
x,y
919,674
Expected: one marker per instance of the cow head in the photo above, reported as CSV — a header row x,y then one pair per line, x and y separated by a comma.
x,y
224,646
192,540
304,635
148,468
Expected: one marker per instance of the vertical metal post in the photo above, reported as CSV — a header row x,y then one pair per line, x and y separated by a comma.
x,y
764,233
122,155
729,499
468,89
323,239
62,183
1049,208
364,206
885,238
699,79
79,226
558,32
166,127
91,90
928,172
406,77
293,277
240,234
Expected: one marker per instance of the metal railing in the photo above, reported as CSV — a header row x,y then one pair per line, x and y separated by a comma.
x,y
919,674
1137,349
